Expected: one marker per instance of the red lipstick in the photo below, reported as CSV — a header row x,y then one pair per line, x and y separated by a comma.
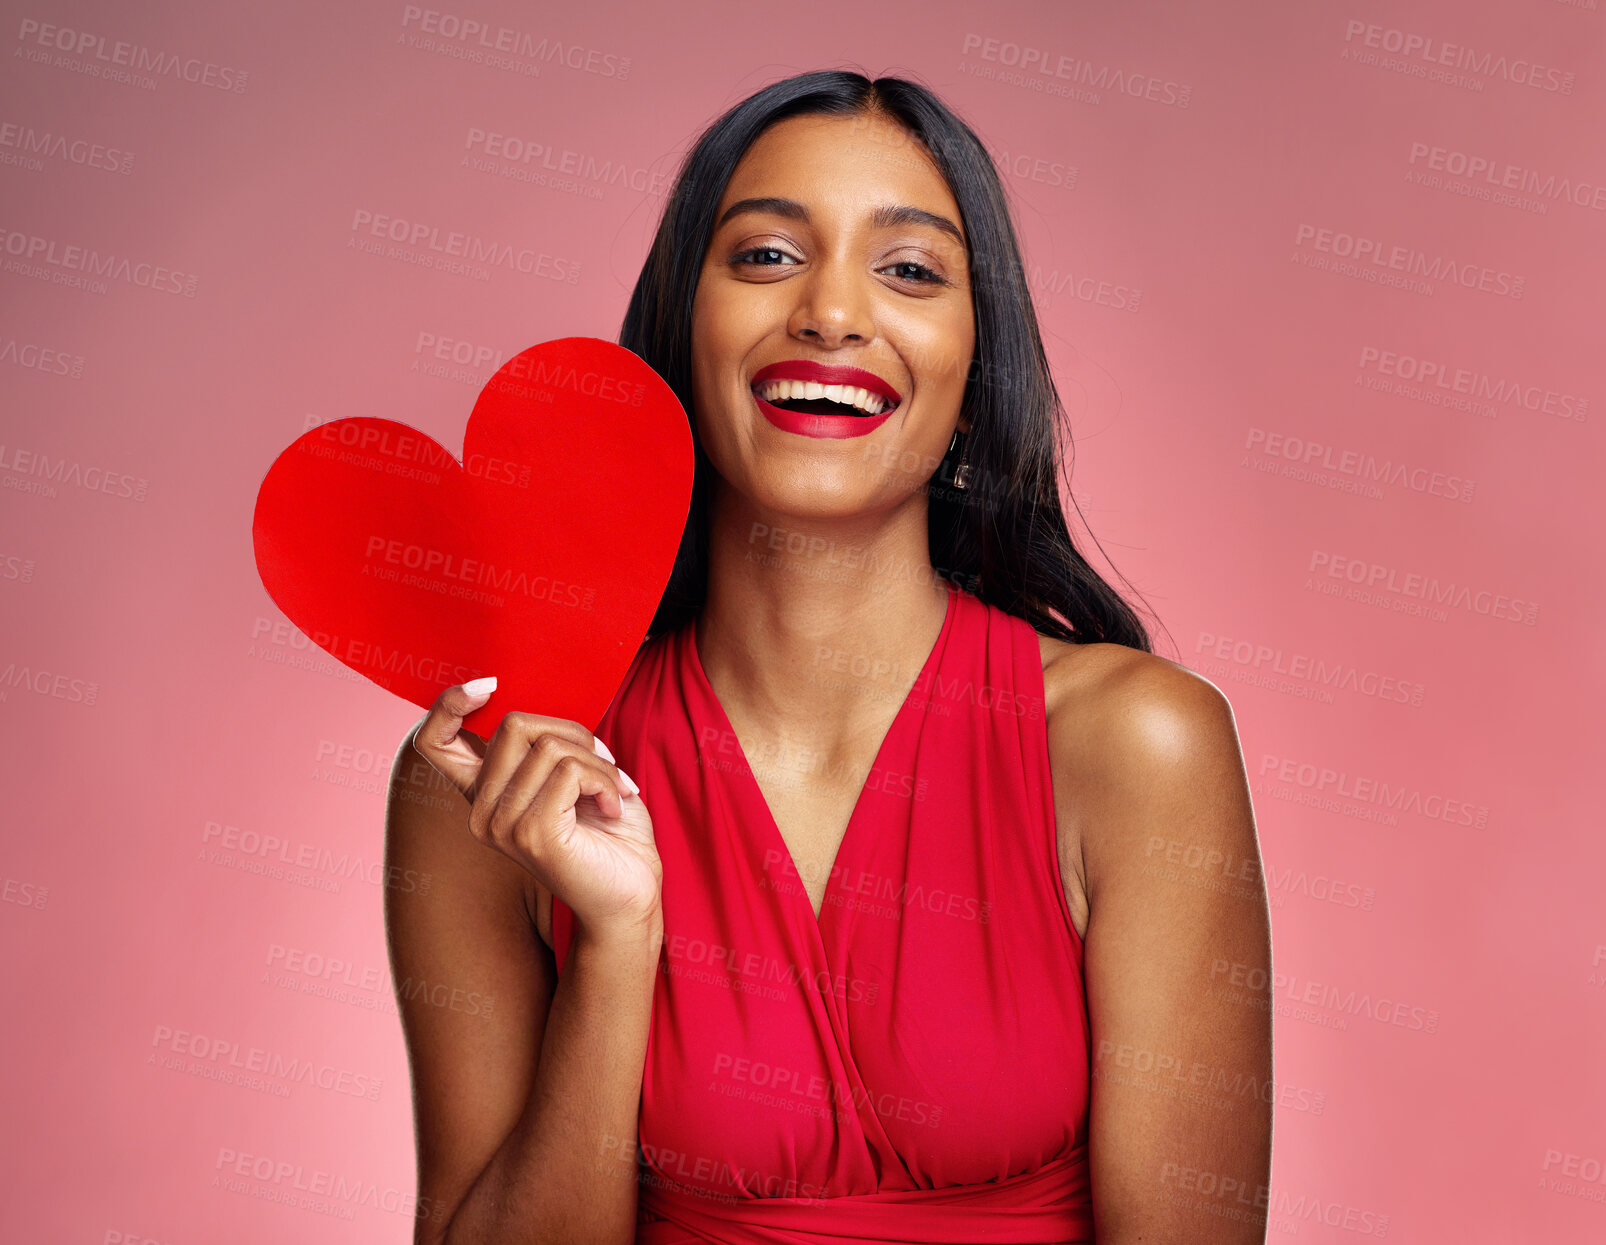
x,y
834,426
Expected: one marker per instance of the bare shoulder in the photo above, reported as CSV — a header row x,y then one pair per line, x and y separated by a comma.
x,y
1149,782
1118,720
1113,680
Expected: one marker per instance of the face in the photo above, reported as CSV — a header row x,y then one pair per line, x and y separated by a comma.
x,y
810,280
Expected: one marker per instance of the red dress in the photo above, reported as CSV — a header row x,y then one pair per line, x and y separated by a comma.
x,y
912,1066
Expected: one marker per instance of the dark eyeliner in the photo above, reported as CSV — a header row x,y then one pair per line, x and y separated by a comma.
x,y
744,256
931,277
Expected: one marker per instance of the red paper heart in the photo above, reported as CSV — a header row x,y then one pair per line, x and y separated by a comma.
x,y
539,558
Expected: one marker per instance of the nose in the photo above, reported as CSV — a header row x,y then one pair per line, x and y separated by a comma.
x,y
833,306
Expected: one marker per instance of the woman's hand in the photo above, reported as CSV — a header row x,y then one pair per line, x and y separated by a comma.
x,y
540,792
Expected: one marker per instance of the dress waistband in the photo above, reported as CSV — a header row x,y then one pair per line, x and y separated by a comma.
x,y
1049,1206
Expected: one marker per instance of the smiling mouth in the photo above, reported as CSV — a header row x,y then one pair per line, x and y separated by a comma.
x,y
838,400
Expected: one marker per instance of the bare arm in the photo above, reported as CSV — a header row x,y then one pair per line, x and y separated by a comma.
x,y
1178,958
526,1087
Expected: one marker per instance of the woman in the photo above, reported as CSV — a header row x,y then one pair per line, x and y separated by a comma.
x,y
1025,998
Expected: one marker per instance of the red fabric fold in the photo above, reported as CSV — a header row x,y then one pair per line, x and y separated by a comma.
x,y
1048,1206
912,1063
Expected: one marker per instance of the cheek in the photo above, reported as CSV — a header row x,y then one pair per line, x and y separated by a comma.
x,y
944,352
707,345
715,332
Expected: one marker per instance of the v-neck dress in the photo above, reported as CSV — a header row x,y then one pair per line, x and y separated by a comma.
x,y
912,1065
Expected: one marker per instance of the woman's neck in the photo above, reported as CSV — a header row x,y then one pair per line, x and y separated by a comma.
x,y
814,625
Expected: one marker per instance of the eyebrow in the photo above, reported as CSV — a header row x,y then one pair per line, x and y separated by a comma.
x,y
887,216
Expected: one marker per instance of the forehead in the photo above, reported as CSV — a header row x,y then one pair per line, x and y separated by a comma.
x,y
838,162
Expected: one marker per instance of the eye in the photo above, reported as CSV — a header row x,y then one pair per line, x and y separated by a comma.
x,y
921,274
747,256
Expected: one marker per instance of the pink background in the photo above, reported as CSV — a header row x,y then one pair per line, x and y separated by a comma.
x,y
1397,587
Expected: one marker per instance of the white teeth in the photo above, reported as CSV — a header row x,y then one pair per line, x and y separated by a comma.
x,y
863,399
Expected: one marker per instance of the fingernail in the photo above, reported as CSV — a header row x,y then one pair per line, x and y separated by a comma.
x,y
602,750
480,687
634,790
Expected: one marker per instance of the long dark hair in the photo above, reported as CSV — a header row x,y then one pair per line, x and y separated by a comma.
x,y
1004,537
